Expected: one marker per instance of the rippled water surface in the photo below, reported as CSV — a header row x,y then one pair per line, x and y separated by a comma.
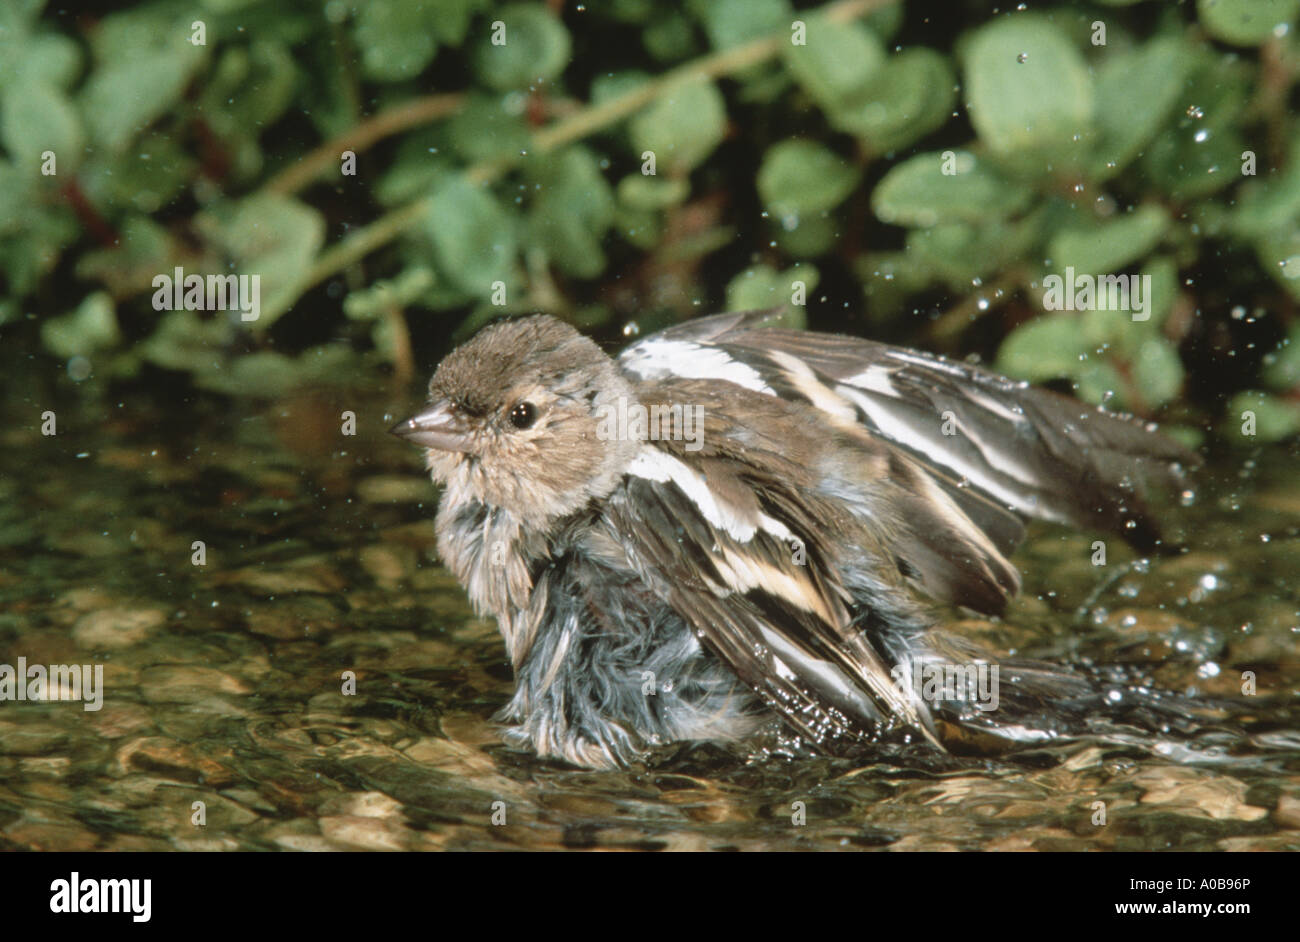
x,y
223,682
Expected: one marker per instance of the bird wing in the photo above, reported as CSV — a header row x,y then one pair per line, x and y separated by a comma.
x,y
743,567
1001,449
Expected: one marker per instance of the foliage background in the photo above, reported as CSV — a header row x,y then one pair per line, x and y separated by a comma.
x,y
521,164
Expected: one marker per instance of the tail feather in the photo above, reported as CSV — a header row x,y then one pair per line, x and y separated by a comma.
x,y
983,703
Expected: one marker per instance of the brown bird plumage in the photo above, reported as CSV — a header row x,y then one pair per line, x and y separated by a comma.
x,y
760,553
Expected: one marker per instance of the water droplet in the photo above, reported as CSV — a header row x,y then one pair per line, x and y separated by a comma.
x,y
78,368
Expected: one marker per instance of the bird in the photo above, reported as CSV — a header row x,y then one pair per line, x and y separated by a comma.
x,y
732,530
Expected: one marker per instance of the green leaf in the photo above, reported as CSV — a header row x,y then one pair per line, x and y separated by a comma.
x,y
26,52
1048,347
682,127
227,6
886,21
1270,203
888,280
1279,253
958,253
536,48
1158,371
14,193
1163,272
1100,383
184,341
1200,153
388,293
1190,169
143,249
484,130
473,236
153,172
1110,246
572,210
762,286
1108,323
249,90
35,117
271,236
607,87
1057,347
638,227
799,177
808,236
1126,121
269,374
638,191
918,192
732,22
424,159
670,35
763,85
1282,366
47,57
91,327
394,38
1247,22
1028,91
251,87
1274,418
630,11
328,100
838,62
450,22
912,96
29,255
144,60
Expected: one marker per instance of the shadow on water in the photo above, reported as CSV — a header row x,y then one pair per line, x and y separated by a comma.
x,y
223,696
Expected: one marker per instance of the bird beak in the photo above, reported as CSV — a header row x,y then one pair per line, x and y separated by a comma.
x,y
439,426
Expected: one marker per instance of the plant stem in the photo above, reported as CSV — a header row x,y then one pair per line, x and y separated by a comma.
x,y
369,132
582,123
960,316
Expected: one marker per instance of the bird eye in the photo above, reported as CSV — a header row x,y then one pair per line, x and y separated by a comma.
x,y
523,415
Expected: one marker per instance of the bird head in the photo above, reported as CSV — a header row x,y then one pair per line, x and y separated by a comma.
x,y
514,420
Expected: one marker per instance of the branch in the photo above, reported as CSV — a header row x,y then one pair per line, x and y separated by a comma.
x,y
582,123
361,137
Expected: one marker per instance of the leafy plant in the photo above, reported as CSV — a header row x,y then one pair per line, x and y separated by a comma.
x,y
639,161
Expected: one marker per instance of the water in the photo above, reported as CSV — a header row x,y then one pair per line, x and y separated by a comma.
x,y
224,682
